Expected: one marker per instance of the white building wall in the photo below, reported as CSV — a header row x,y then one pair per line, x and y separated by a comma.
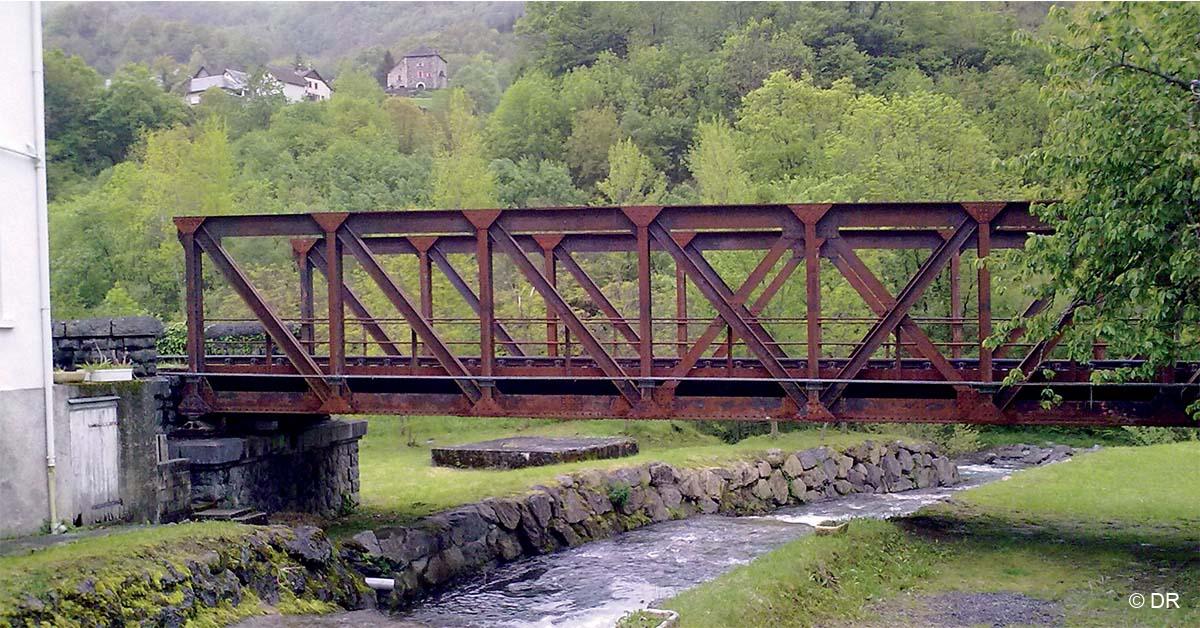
x,y
293,93
20,317
23,484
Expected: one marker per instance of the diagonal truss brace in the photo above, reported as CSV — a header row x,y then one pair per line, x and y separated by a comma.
x,y
358,249
756,276
504,240
317,258
714,288
891,319
470,297
1037,354
880,301
597,296
274,326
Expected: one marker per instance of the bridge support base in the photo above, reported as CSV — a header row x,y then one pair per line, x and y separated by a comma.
x,y
313,468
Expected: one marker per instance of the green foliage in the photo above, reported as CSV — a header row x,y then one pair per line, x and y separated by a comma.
x,y
530,121
632,178
530,183
1121,153
716,163
479,80
564,35
618,493
593,132
461,177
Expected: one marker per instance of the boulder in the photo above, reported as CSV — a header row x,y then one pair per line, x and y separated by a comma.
x,y
798,488
508,513
540,505
829,465
713,485
707,506
844,463
808,459
574,509
465,525
671,497
762,490
691,484
792,467
905,459
843,487
662,474
814,477
654,506
779,487
764,469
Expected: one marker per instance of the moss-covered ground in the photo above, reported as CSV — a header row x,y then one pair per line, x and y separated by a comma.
x,y
399,483
1083,535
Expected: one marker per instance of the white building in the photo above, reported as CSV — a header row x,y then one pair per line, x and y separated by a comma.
x,y
296,84
25,363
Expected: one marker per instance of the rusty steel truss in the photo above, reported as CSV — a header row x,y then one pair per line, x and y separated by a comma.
x,y
672,365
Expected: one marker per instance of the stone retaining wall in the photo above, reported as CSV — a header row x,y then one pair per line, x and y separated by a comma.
x,y
208,585
596,504
132,339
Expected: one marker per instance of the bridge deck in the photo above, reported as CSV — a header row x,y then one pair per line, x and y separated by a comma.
x,y
594,360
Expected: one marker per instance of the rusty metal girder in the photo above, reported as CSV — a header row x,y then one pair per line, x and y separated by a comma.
x,y
658,366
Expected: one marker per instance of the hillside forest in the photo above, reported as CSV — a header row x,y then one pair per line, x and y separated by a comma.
x,y
625,103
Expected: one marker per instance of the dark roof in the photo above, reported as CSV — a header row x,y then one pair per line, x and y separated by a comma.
x,y
286,75
424,51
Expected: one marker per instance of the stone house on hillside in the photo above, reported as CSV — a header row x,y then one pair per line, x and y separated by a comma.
x,y
297,84
420,69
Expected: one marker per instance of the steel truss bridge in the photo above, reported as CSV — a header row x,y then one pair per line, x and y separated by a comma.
x,y
584,358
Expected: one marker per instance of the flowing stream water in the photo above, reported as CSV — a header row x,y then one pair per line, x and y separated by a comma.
x,y
595,584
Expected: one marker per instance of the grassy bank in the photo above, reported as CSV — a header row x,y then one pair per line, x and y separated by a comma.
x,y
1078,537
399,484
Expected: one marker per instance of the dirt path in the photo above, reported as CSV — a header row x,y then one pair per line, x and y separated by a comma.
x,y
967,609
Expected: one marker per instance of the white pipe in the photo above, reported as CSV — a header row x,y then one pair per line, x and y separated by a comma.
x,y
381,584
39,149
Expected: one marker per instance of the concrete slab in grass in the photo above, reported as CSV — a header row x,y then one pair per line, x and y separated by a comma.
x,y
531,451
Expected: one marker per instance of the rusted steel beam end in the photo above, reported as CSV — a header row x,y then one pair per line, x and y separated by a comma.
x,y
301,246
984,212
481,219
330,222
422,243
188,225
548,241
810,213
641,215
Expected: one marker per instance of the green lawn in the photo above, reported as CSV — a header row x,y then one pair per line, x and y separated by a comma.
x,y
399,484
1083,534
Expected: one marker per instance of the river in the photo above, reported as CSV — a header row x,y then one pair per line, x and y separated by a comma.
x,y
595,584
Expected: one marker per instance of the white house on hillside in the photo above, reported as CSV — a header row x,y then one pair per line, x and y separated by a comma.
x,y
296,84
27,446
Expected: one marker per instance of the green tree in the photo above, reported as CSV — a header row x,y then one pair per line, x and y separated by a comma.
x,y
479,80
564,35
717,165
461,177
528,183
134,103
1122,155
530,121
593,131
72,92
386,63
632,178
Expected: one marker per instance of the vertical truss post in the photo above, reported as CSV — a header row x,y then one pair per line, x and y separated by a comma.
x,y
681,311
469,296
956,306
811,215
984,213
193,271
589,286
330,223
301,249
424,279
369,324
641,217
482,220
550,270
